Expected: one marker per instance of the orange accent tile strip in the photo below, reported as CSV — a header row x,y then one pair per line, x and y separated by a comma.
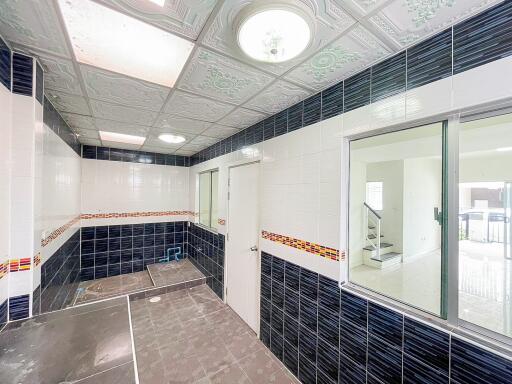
x,y
37,259
316,249
16,265
59,231
4,269
117,215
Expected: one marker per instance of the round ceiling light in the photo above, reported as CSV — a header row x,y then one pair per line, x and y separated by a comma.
x,y
273,33
172,139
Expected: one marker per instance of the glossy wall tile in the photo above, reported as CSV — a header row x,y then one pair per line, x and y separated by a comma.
x,y
126,155
329,336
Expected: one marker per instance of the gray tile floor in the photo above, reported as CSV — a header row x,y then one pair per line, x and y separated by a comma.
x,y
88,344
190,336
173,273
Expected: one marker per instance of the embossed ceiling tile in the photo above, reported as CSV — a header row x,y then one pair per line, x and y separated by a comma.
x,y
190,105
118,127
329,16
85,141
222,78
78,121
170,123
182,16
346,56
193,147
406,21
277,97
220,131
87,133
109,86
204,141
64,102
121,113
33,23
242,118
60,75
363,7
184,152
159,146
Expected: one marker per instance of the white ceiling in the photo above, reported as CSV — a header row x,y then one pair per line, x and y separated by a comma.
x,y
220,91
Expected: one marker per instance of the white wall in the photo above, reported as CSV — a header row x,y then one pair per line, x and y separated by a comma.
x,y
357,213
422,192
122,187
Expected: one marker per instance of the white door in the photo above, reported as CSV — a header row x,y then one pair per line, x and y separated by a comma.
x,y
242,246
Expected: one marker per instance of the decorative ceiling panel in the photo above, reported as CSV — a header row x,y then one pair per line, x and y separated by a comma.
x,y
60,75
407,21
78,121
68,103
363,7
184,152
222,78
34,24
186,17
114,87
115,126
203,140
220,131
190,105
93,142
121,113
328,15
87,133
172,124
242,118
277,97
344,57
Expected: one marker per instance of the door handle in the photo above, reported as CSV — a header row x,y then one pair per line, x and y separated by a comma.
x,y
254,248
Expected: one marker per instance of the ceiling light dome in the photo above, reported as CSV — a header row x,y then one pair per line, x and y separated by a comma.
x,y
274,33
172,139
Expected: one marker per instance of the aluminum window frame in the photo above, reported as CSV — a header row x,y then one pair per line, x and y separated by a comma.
x,y
210,172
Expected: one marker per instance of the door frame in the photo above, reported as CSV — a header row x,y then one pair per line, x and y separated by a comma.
x,y
228,243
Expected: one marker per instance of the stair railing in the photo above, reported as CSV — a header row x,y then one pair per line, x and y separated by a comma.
x,y
373,219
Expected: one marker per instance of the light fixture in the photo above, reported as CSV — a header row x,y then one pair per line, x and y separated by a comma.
x,y
504,149
110,40
274,32
172,139
121,138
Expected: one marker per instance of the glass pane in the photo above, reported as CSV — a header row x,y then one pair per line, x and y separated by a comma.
x,y
204,198
485,177
394,232
215,194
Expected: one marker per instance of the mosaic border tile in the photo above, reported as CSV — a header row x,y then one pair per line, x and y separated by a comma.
x,y
18,265
59,231
315,249
4,269
118,215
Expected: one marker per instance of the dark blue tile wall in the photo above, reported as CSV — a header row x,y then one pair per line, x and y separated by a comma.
x,y
19,307
324,335
481,39
59,277
114,154
5,64
22,73
3,313
119,249
207,251
39,84
56,123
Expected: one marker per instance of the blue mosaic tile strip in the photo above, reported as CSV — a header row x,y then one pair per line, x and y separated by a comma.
x,y
5,64
384,361
426,344
328,326
291,303
483,38
307,370
473,365
19,307
332,101
329,294
353,341
479,40
354,309
291,358
328,360
358,90
291,331
115,154
386,324
22,74
3,312
39,84
416,372
351,372
295,116
430,60
388,77
281,123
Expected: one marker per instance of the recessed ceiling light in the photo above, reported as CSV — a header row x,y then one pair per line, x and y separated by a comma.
x,y
173,139
504,149
111,40
121,138
274,33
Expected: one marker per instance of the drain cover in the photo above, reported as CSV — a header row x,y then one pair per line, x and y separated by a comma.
x,y
155,299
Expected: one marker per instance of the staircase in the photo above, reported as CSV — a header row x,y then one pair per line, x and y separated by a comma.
x,y
377,253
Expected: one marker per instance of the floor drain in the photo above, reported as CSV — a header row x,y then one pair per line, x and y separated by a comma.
x,y
155,299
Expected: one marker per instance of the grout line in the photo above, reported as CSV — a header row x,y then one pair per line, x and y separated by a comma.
x,y
133,342
99,373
